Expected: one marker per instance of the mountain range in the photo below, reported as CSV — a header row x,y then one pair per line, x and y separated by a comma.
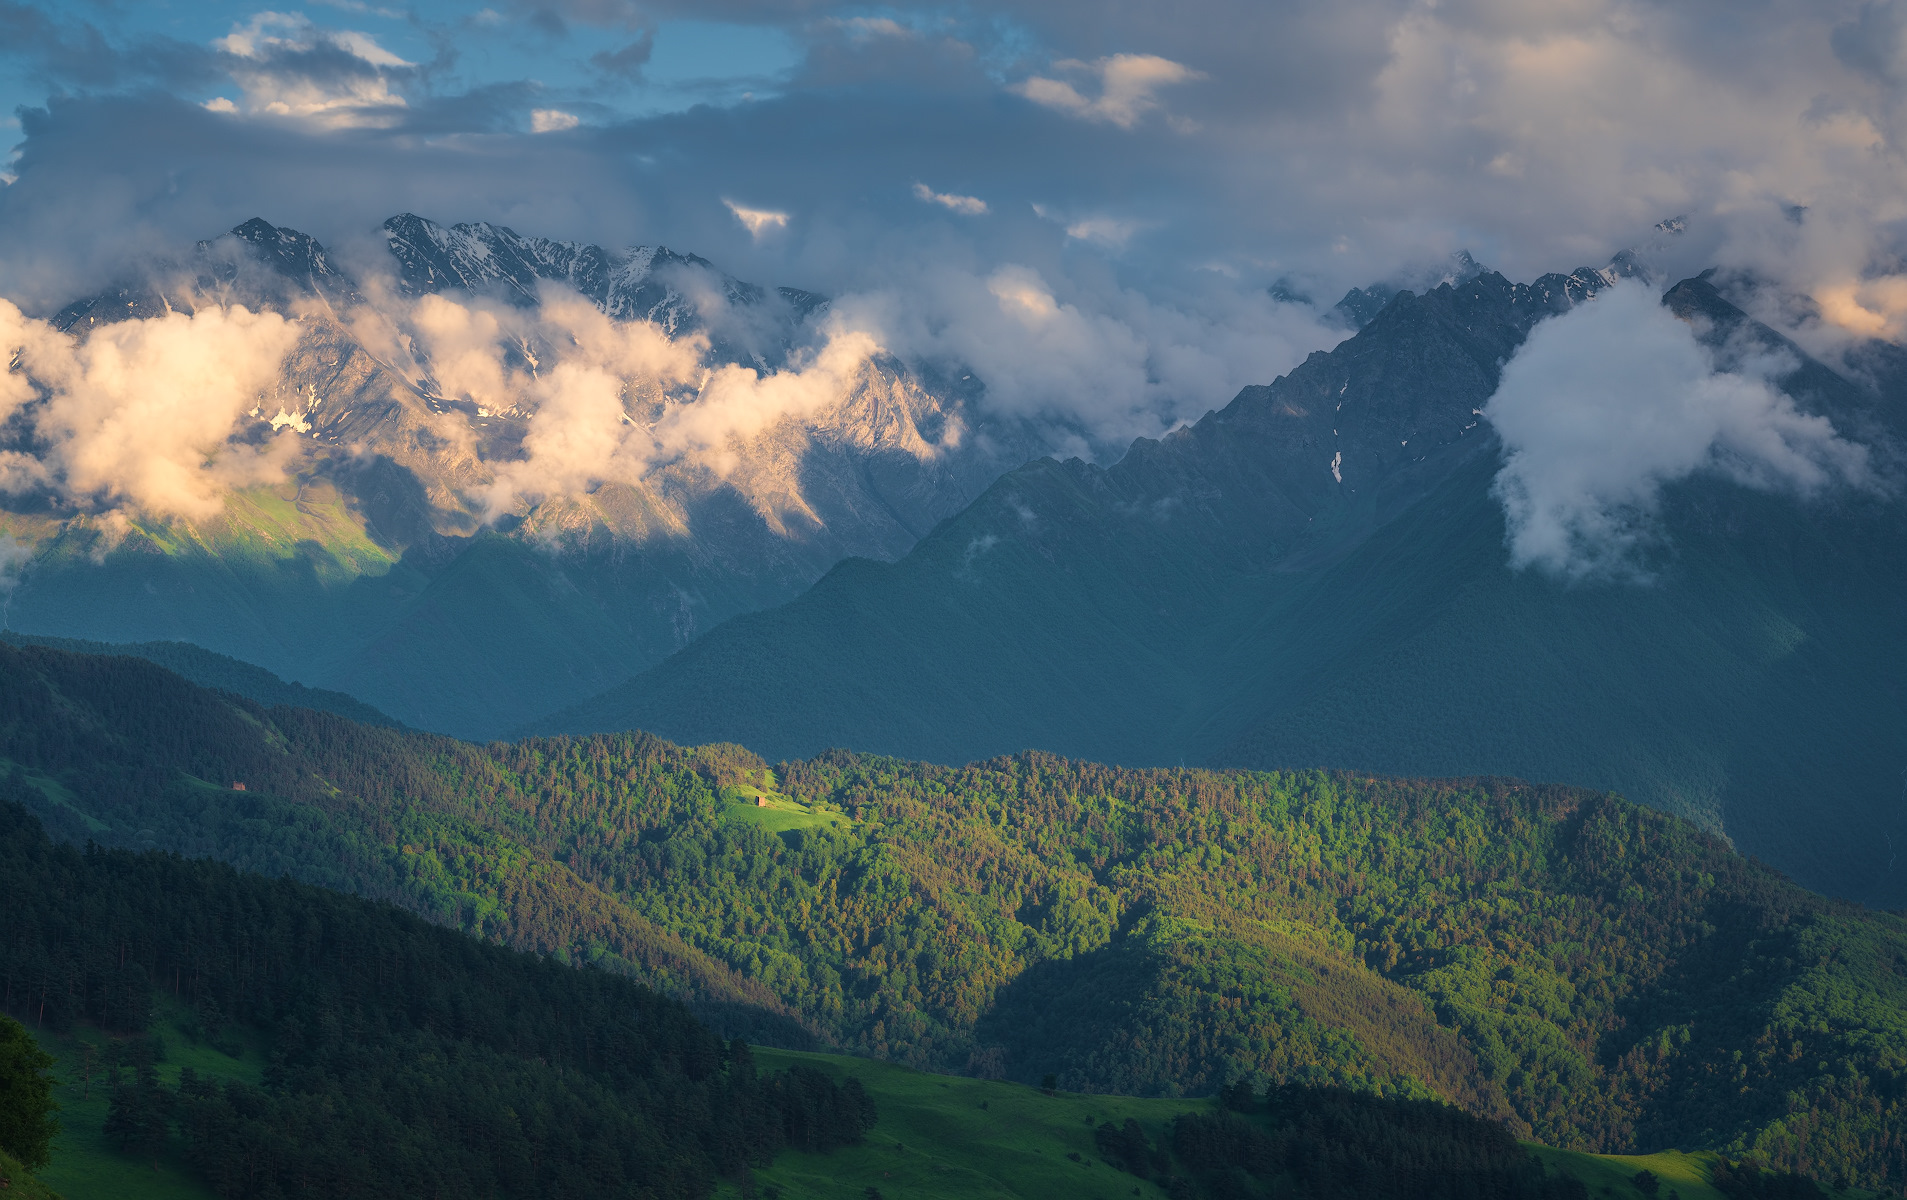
x,y
1315,574
383,565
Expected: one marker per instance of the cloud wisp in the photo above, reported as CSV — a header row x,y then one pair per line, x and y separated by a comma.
x,y
760,222
1608,404
1127,87
966,206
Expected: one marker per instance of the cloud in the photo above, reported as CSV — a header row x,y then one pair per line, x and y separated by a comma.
x,y
758,221
628,61
966,206
142,412
613,402
1611,402
609,401
552,120
1106,231
1127,84
1334,145
1089,365
289,66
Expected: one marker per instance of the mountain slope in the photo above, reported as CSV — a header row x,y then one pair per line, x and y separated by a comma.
x,y
1317,575
1077,607
218,671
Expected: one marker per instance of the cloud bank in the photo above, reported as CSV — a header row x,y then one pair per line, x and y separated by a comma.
x,y
143,412
1608,404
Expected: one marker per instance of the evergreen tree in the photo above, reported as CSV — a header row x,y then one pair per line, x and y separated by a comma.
x,y
27,1123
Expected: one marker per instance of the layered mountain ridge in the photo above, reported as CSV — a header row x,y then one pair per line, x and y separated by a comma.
x,y
382,566
1317,575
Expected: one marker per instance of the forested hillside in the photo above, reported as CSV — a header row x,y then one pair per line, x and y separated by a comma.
x,y
406,1059
208,669
1600,974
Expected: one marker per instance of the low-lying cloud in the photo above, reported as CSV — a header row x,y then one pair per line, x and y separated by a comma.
x,y
612,401
142,412
1606,405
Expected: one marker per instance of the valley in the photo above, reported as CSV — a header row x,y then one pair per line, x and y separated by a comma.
x,y
630,600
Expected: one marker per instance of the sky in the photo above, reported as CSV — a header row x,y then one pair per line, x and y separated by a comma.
x,y
1325,144
1095,199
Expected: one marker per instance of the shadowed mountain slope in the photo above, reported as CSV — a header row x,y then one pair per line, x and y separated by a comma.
x,y
1316,575
211,670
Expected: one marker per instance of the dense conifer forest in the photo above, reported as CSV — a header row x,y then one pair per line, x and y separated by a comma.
x,y
407,1059
1598,975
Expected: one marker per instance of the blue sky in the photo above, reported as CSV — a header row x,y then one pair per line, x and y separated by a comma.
x,y
685,61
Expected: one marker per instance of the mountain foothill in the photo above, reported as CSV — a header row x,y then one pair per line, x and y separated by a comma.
x,y
1242,767
1589,972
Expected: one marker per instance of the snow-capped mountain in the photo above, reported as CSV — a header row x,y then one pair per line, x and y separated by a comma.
x,y
641,283
400,556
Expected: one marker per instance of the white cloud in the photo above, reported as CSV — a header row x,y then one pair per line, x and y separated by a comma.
x,y
274,66
1105,231
970,206
1604,406
758,221
613,402
864,28
142,411
1105,363
552,120
1127,86
220,104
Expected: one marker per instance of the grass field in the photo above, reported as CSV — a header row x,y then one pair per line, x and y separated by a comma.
x,y
766,808
943,1137
939,1137
85,1165
1684,1175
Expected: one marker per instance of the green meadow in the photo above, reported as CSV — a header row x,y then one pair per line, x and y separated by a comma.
x,y
86,1166
942,1137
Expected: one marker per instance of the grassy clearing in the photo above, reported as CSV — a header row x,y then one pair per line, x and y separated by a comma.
x,y
768,809
945,1137
952,1137
85,1165
56,792
1608,1176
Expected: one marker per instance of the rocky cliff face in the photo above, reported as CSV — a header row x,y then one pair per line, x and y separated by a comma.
x,y
387,565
